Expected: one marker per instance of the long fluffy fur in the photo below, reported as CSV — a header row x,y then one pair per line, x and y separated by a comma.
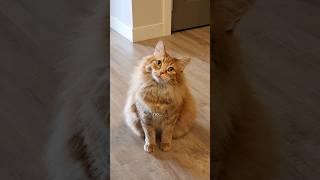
x,y
179,94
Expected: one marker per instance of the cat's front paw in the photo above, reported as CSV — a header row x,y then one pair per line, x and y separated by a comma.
x,y
165,146
149,147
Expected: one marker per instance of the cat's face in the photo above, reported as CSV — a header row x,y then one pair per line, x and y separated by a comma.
x,y
164,68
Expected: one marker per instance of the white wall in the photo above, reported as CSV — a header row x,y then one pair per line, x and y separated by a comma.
x,y
122,10
121,17
139,20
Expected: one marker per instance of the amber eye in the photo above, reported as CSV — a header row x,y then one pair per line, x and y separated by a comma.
x,y
170,69
159,62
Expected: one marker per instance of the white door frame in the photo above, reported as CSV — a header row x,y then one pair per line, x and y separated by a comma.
x,y
167,16
149,31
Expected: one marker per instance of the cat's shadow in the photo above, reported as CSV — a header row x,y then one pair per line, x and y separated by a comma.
x,y
252,151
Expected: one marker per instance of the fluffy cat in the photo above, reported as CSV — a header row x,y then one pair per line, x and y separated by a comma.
x,y
159,99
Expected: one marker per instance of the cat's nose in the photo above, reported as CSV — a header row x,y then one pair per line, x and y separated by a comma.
x,y
162,72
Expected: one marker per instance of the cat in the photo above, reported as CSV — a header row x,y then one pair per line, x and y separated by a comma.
x,y
159,99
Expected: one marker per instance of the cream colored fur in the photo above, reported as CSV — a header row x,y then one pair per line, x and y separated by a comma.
x,y
170,96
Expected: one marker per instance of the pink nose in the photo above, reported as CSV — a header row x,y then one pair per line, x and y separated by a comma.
x,y
161,73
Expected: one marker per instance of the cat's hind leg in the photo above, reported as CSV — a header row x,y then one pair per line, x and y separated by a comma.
x,y
186,119
132,119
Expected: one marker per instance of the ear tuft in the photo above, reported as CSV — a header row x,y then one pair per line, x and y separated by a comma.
x,y
160,49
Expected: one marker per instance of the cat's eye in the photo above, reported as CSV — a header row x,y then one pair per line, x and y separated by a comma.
x,y
159,62
170,69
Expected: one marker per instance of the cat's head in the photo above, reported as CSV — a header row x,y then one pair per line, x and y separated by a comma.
x,y
163,68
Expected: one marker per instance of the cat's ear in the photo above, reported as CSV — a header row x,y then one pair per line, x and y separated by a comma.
x,y
183,62
160,49
148,68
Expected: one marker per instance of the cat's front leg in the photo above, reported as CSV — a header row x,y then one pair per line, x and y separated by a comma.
x,y
150,135
166,136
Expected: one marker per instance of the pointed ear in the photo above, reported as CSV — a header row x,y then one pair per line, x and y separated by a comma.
x,y
183,62
160,49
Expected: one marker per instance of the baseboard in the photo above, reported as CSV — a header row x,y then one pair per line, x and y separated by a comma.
x,y
121,28
148,32
139,33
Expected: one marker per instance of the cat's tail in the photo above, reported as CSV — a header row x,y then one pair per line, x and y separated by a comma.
x,y
132,119
186,119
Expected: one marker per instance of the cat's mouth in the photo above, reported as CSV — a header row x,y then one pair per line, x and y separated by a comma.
x,y
157,77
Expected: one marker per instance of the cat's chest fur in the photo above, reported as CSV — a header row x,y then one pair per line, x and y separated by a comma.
x,y
161,95
168,98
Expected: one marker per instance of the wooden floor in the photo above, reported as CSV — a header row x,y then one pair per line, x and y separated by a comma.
x,y
276,85
190,156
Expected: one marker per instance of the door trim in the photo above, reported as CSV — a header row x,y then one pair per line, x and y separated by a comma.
x,y
167,16
156,30
149,31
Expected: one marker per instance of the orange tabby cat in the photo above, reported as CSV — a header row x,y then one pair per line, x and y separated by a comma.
x,y
158,99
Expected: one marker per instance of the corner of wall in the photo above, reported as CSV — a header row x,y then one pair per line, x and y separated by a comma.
x,y
150,31
121,28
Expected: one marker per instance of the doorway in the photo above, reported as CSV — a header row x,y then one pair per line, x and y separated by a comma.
x,y
188,14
